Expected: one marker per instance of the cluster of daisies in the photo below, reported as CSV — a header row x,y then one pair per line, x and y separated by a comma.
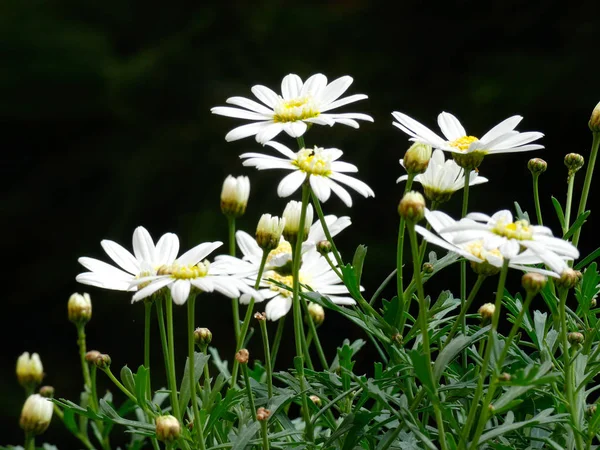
x,y
482,239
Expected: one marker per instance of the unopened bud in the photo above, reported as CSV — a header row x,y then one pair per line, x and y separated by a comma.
x,y
262,414
79,308
397,338
36,414
202,337
504,376
533,282
574,162
102,361
591,410
242,356
47,391
575,338
569,279
324,247
427,268
30,371
412,207
487,311
292,214
593,303
168,428
537,166
317,313
416,159
91,356
268,231
594,122
315,399
234,196
261,316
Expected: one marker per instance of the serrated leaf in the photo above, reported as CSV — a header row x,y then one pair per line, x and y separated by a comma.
x,y
559,212
200,359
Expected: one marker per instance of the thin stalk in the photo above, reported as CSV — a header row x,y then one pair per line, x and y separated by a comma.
x,y
488,353
269,369
277,340
119,385
249,390
235,307
424,329
171,360
536,198
82,438
588,182
198,426
319,210
463,266
163,336
382,286
313,332
265,436
94,392
82,351
571,182
29,441
399,321
147,319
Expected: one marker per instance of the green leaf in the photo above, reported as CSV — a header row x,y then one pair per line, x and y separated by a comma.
x,y
69,420
520,214
358,261
127,379
522,381
246,434
588,259
449,352
559,212
141,385
577,224
221,365
421,370
351,280
200,359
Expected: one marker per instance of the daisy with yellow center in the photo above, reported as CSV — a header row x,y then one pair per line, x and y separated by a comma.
x,y
299,105
320,165
466,149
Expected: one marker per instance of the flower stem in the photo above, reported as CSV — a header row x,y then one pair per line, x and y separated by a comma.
x,y
265,436
313,332
249,391
267,351
588,181
117,383
171,359
423,313
571,182
536,198
235,307
163,335
198,426
319,210
463,266
82,351
488,353
29,441
277,340
399,321
147,319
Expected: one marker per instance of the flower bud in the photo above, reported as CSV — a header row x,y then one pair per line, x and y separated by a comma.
x,y
574,162
268,231
575,338
487,311
569,279
504,376
468,161
533,282
91,356
593,303
30,371
594,122
36,414
591,409
242,356
427,268
416,159
260,316
168,428
79,308
291,214
234,196
202,337
262,414
102,361
412,207
47,391
317,313
324,247
537,166
315,399
397,338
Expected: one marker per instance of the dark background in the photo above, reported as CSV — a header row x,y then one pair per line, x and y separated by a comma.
x,y
106,125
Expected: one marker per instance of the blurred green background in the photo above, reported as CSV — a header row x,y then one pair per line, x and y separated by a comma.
x,y
105,113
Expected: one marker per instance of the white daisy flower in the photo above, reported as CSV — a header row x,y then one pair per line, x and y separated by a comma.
x,y
500,139
319,164
191,270
442,178
146,260
299,105
500,238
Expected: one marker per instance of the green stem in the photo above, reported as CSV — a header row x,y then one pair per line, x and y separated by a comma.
x,y
249,390
399,321
94,393
198,426
163,336
267,351
235,307
423,313
29,441
171,359
382,286
117,383
463,266
488,353
536,198
265,436
319,210
571,182
82,351
277,340
147,319
588,181
313,332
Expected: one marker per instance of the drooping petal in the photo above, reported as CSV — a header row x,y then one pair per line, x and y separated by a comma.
x,y
180,291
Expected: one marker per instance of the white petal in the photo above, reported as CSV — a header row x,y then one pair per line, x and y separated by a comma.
x,y
340,192
357,185
290,86
295,129
320,187
265,95
343,101
121,256
198,253
334,90
269,132
503,127
143,245
250,104
290,183
244,131
417,130
278,307
281,149
104,269
314,86
451,126
341,166
240,113
167,248
180,291
151,288
248,246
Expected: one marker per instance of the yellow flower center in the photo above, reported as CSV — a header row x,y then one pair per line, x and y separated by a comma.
x,y
286,280
519,230
476,249
283,247
299,108
316,161
463,143
185,272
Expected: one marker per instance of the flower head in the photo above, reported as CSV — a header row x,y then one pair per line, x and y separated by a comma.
x,y
36,414
443,178
320,165
299,105
79,308
466,149
594,122
30,371
292,215
234,196
168,428
417,157
268,231
412,206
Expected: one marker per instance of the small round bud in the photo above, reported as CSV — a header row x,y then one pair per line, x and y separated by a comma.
x,y
292,214
591,410
268,231
416,159
315,399
427,268
594,122
262,414
202,337
569,279
234,196
533,282
504,377
168,428
47,391
30,371
397,338
260,316
79,308
412,207
575,338
574,162
593,303
92,355
324,247
537,166
242,356
487,311
468,161
317,313
36,414
102,361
